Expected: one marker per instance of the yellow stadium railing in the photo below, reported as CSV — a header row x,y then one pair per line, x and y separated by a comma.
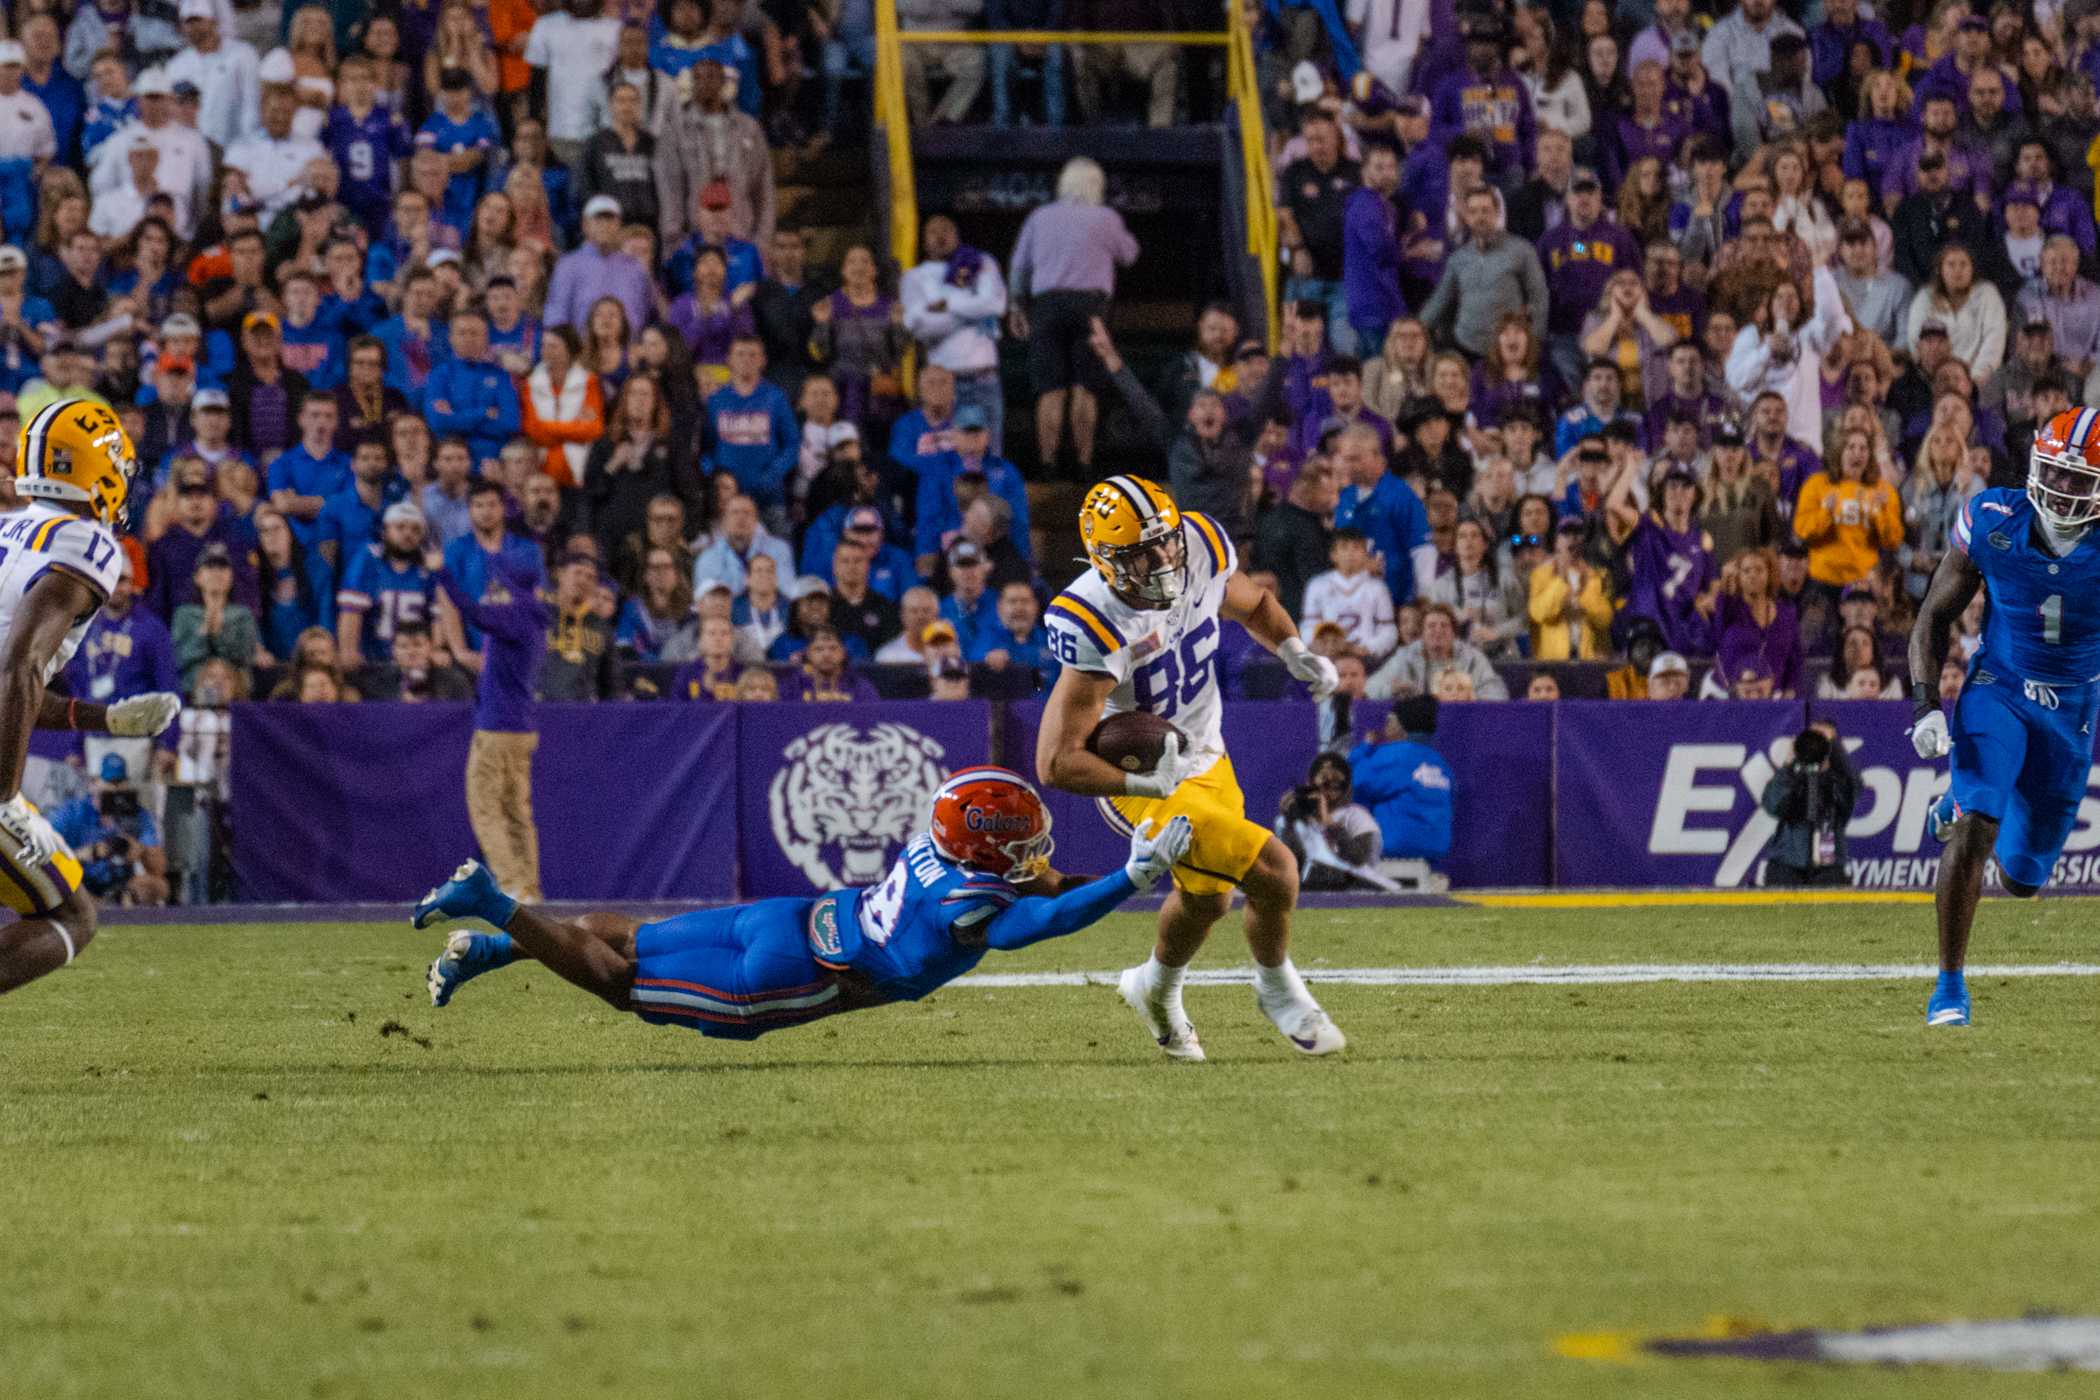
x,y
1243,88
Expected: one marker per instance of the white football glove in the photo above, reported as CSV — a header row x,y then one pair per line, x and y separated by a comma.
x,y
1930,738
1316,671
26,827
1166,775
143,716
1153,856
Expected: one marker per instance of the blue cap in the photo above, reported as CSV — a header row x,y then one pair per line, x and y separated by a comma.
x,y
113,769
972,416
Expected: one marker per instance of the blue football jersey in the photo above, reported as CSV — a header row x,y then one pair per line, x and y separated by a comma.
x,y
924,924
2043,620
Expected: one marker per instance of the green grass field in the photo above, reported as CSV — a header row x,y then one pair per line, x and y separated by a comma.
x,y
250,1161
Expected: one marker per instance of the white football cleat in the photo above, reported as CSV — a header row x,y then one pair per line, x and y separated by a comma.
x,y
1174,1035
1309,1029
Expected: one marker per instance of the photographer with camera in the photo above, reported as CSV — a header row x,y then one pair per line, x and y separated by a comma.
x,y
1335,838
1812,797
117,838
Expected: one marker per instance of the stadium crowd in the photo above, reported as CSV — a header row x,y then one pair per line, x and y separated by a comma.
x,y
1666,340
1652,337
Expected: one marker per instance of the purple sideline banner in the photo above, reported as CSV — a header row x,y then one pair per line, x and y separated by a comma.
x,y
1665,792
828,794
368,802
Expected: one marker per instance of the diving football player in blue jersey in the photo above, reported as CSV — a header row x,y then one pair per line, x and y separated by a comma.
x,y
959,889
2022,732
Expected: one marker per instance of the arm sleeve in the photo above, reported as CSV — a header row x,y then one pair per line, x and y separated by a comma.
x,y
1033,920
1152,419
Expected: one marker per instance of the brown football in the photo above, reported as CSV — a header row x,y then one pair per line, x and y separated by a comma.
x,y
1132,741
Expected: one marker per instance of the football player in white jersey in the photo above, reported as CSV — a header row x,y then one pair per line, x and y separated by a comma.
x,y
59,559
1140,632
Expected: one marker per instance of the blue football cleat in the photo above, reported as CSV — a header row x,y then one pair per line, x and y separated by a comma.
x,y
471,893
1950,1002
467,956
1942,816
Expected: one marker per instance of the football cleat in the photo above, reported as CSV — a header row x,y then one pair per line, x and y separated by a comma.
x,y
1173,1033
467,956
1950,1003
1309,1029
471,893
1941,817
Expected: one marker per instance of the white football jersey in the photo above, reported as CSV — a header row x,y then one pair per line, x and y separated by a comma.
x,y
1162,659
42,537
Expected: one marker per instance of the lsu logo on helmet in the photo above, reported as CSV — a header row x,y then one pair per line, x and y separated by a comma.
x,y
75,450
1132,533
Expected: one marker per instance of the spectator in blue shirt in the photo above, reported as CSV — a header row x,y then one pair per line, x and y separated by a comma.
x,y
928,430
750,431
416,339
308,473
469,396
384,586
1406,783
312,344
743,265
296,586
1020,639
490,553
944,483
463,133
970,606
1385,508
349,522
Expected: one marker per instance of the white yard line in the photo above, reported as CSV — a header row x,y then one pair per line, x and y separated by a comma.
x,y
1597,974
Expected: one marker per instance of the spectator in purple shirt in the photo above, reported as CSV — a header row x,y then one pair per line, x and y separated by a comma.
x,y
1830,43
1648,130
200,520
2064,210
1968,171
1488,100
1669,558
1876,138
597,268
1338,405
1371,250
1063,273
1580,254
499,759
824,675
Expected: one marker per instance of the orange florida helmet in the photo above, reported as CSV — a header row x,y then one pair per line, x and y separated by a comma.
x,y
990,820
2063,474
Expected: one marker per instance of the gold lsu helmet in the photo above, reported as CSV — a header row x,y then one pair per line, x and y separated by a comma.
x,y
76,450
1133,538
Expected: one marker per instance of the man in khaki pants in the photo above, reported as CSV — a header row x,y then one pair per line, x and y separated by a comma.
x,y
499,763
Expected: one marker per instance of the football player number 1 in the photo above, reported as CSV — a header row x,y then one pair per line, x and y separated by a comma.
x,y
2052,611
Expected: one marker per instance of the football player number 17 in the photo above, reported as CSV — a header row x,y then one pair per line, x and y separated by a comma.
x,y
2052,611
